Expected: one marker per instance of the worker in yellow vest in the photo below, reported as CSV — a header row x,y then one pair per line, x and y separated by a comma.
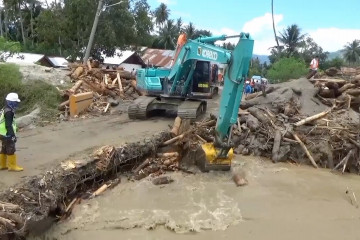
x,y
8,134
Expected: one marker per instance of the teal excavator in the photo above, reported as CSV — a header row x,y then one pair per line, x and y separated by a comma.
x,y
175,91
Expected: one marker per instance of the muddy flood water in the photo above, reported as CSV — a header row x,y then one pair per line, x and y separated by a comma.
x,y
281,201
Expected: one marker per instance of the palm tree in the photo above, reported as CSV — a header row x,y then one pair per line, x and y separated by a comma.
x,y
161,14
190,30
352,51
292,38
272,13
168,34
179,24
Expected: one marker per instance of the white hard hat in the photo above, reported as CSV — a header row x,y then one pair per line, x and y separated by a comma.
x,y
13,97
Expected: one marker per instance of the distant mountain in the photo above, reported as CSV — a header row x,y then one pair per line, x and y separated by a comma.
x,y
262,58
336,54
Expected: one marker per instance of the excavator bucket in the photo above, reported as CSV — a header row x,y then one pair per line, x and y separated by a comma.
x,y
207,158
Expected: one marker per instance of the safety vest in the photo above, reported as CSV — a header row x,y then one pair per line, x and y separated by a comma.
x,y
3,130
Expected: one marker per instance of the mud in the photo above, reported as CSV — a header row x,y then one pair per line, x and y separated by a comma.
x,y
282,201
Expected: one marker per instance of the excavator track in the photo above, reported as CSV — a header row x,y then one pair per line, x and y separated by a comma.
x,y
138,109
191,109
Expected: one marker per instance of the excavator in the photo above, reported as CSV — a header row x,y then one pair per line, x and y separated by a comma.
x,y
183,88
177,86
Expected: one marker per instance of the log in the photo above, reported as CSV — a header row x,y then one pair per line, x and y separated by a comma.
x,y
312,118
344,161
346,87
175,129
308,154
353,92
162,180
330,80
100,190
107,107
63,105
258,94
89,64
9,206
133,84
171,141
78,71
357,78
276,146
76,86
141,166
100,89
120,84
166,155
257,113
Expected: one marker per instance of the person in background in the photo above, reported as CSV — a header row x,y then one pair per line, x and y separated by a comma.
x,y
8,130
314,65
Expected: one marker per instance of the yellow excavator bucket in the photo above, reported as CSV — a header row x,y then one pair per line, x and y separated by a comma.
x,y
207,158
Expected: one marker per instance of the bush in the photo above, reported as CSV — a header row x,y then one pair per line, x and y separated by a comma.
x,y
287,68
32,94
336,62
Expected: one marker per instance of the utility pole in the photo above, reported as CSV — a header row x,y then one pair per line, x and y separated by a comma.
x,y
93,30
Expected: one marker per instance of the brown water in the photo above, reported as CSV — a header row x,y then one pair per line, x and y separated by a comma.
x,y
282,201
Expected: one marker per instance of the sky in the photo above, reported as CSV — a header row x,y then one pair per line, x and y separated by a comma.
x,y
331,23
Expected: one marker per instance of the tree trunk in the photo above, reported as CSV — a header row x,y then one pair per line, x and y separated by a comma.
x,y
6,20
32,23
1,26
22,25
272,13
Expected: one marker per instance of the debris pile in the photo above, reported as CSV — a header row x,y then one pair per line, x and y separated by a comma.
x,y
109,86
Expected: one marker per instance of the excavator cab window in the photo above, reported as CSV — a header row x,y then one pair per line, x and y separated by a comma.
x,y
201,77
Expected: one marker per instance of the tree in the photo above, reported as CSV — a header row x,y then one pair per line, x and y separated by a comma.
x,y
309,49
161,14
143,24
168,35
8,48
201,33
179,24
292,38
352,52
190,30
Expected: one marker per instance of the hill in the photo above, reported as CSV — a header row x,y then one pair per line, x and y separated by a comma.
x,y
262,58
336,54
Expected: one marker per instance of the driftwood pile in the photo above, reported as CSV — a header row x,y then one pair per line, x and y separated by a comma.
x,y
34,204
340,84
109,86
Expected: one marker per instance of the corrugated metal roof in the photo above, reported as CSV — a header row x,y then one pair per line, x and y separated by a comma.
x,y
118,58
158,57
24,58
58,61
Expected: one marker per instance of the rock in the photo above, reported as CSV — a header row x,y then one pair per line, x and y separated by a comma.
x,y
245,151
240,180
27,120
113,102
162,180
239,149
331,71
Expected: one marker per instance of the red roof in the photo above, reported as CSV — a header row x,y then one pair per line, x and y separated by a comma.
x,y
158,57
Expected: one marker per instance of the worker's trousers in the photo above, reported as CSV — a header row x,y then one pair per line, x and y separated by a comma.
x,y
7,146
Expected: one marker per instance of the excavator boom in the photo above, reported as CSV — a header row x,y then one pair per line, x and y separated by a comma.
x,y
218,155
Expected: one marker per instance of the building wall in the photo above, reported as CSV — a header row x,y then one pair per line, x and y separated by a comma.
x,y
129,67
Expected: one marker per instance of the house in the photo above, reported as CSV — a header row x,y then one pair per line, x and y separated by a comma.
x,y
55,62
127,59
158,57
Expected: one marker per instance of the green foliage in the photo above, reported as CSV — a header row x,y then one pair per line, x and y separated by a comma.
x,y
352,52
335,62
286,69
161,14
309,49
8,48
291,38
256,68
32,94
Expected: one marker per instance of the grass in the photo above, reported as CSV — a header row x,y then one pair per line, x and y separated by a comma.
x,y
31,94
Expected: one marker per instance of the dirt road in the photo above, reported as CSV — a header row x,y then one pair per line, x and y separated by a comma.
x,y
41,148
282,201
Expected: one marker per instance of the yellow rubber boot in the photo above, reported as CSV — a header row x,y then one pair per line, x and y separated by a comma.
x,y
12,164
3,164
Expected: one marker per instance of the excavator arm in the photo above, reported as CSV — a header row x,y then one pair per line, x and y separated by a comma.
x,y
218,155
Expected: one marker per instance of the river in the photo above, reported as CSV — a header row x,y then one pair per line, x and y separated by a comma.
x,y
281,201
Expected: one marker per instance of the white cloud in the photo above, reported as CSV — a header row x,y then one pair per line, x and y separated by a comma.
x,y
167,2
333,39
260,29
